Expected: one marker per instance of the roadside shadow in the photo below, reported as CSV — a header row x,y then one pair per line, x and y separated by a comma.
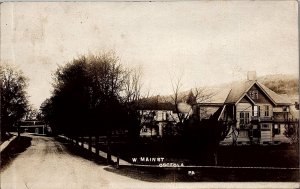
x,y
15,148
146,174
155,174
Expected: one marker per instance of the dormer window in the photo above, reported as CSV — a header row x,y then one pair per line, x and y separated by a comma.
x,y
253,94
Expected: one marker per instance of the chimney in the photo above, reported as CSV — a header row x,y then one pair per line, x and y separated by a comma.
x,y
251,76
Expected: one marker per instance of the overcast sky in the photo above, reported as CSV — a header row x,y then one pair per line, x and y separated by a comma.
x,y
208,42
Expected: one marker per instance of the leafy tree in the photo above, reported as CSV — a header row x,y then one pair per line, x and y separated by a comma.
x,y
14,103
67,110
49,115
92,95
31,113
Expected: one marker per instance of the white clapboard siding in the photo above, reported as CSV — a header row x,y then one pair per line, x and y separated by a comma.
x,y
266,136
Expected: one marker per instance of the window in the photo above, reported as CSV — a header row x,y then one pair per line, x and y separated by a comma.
x,y
244,118
242,121
247,117
243,134
256,111
267,110
297,105
276,129
265,126
253,94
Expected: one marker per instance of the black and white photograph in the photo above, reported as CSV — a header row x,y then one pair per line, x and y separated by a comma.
x,y
149,94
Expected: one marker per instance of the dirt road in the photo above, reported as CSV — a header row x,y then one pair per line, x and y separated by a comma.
x,y
47,164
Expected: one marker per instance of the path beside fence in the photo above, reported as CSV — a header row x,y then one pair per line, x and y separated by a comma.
x,y
103,154
4,145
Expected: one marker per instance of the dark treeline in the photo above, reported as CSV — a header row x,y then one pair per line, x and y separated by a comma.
x,y
93,95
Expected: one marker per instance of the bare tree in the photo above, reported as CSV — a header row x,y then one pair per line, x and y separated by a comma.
x,y
196,96
177,96
107,77
132,85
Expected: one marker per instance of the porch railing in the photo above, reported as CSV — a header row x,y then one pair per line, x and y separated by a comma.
x,y
273,119
257,118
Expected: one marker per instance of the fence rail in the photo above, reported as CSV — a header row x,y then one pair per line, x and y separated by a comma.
x,y
93,146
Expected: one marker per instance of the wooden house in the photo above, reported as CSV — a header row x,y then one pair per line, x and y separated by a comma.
x,y
34,126
158,119
261,116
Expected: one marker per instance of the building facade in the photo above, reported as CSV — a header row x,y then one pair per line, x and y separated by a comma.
x,y
260,115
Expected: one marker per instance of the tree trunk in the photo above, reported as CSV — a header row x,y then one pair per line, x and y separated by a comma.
x,y
18,130
215,158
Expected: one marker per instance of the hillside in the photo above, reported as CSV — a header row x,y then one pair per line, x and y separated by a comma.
x,y
280,83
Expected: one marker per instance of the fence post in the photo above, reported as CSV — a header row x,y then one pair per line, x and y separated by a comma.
x,y
82,141
77,140
118,161
90,143
97,145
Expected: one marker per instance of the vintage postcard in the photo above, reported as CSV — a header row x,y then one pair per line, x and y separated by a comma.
x,y
149,94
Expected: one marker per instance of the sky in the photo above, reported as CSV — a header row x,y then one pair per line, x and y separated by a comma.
x,y
205,42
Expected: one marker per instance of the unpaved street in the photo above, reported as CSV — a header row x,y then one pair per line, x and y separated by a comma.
x,y
47,164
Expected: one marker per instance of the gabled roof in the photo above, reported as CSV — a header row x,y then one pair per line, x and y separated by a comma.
x,y
240,89
278,98
236,91
247,97
216,96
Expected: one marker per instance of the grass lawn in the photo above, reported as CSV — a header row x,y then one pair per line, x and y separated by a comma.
x,y
207,174
244,156
260,163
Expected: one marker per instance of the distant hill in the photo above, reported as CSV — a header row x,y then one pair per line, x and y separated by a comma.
x,y
281,83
